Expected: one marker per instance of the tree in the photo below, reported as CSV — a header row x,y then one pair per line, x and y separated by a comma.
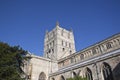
x,y
11,61
76,78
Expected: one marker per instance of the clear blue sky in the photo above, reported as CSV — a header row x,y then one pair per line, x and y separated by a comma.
x,y
24,22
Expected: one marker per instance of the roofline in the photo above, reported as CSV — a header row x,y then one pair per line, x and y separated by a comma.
x,y
117,34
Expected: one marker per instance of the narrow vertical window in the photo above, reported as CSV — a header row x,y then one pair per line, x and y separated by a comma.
x,y
47,46
66,43
62,42
53,43
62,33
69,45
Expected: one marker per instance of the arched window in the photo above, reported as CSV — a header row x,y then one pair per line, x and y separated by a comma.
x,y
74,74
53,78
42,76
62,78
107,72
89,74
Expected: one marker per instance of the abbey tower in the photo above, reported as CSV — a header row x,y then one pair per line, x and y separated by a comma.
x,y
100,61
58,43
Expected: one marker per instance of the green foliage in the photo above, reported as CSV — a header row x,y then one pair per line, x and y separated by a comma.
x,y
11,60
76,78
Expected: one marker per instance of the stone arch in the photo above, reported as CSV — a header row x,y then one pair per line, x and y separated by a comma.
x,y
107,72
88,74
42,76
62,77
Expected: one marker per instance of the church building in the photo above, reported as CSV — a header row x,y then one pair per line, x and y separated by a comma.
x,y
100,61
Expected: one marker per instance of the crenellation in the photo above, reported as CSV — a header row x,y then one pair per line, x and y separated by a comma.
x,y
96,50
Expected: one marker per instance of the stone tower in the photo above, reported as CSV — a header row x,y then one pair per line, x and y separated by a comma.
x,y
58,43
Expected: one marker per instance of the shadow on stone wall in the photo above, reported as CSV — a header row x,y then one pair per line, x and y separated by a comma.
x,y
116,72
